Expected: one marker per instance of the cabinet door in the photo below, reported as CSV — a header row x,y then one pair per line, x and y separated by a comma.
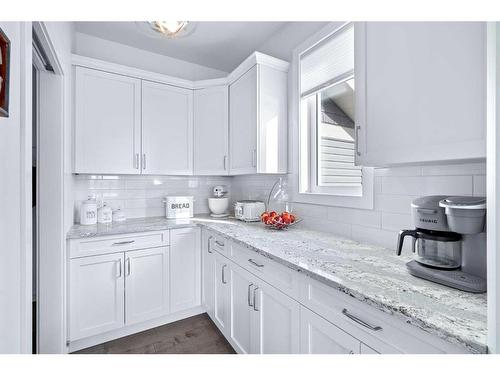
x,y
167,129
222,311
243,124
419,94
244,329
185,269
278,324
208,288
319,336
107,135
211,131
96,295
146,284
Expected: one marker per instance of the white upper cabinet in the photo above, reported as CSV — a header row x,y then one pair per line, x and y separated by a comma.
x,y
420,91
167,130
107,136
258,120
211,131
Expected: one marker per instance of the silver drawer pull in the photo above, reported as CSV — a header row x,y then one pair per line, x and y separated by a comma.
x,y
255,263
248,295
360,321
224,281
123,243
255,299
221,244
210,245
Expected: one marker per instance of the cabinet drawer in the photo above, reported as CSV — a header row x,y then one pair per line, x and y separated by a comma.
x,y
281,277
219,243
111,244
381,331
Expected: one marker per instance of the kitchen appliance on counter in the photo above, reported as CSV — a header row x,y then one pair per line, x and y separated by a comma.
x,y
219,204
249,210
449,241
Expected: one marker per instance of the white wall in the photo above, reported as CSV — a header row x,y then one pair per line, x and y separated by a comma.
x,y
16,237
91,46
142,196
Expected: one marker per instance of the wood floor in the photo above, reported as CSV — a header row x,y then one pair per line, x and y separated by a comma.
x,y
195,335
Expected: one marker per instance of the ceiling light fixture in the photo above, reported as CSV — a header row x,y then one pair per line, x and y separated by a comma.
x,y
170,29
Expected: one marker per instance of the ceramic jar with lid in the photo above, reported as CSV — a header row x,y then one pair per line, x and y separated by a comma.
x,y
88,212
104,214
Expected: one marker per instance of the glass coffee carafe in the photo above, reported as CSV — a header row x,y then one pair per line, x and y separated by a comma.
x,y
434,249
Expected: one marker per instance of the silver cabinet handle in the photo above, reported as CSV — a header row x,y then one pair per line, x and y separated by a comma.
x,y
143,161
119,269
128,266
225,162
255,263
224,281
357,140
221,244
255,299
254,158
123,243
136,161
209,244
360,321
248,295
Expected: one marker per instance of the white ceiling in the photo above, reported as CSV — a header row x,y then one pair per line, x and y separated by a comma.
x,y
218,45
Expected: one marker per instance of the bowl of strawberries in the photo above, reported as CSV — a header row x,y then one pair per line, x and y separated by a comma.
x,y
274,220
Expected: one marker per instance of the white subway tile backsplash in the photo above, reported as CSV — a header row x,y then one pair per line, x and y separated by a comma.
x,y
394,190
142,196
479,185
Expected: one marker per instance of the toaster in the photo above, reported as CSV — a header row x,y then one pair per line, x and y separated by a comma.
x,y
248,210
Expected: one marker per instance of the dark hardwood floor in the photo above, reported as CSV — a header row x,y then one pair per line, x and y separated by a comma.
x,y
195,335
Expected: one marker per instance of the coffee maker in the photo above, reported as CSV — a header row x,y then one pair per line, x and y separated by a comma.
x,y
449,241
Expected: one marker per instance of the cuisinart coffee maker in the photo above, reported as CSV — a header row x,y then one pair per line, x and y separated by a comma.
x,y
449,241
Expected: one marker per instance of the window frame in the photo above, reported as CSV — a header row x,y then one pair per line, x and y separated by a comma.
x,y
306,189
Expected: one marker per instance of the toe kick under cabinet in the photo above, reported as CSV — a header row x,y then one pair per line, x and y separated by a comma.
x,y
262,306
118,285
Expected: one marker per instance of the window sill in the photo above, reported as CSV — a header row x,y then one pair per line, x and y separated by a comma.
x,y
362,202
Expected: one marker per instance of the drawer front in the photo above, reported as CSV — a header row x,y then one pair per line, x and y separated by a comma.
x,y
378,330
219,244
281,277
112,244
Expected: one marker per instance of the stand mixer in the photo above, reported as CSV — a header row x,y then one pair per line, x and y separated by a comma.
x,y
219,204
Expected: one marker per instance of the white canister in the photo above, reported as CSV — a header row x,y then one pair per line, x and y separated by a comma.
x,y
119,216
179,207
104,215
88,212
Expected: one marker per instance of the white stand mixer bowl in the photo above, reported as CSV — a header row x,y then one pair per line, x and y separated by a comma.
x,y
218,206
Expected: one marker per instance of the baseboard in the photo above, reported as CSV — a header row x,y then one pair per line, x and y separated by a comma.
x,y
129,330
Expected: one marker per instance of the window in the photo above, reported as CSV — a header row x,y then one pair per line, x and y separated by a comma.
x,y
326,87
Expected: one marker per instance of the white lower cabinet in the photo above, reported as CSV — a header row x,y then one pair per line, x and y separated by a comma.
x,y
96,295
263,319
208,277
278,321
319,336
185,269
222,312
146,284
244,320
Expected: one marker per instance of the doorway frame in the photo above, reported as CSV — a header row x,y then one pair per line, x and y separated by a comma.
x,y
50,311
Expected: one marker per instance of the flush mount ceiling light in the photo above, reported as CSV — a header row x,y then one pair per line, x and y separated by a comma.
x,y
167,29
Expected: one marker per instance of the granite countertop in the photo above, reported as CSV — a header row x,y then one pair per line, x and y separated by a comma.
x,y
371,274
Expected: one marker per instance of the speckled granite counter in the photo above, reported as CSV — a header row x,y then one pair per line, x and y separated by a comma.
x,y
371,274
